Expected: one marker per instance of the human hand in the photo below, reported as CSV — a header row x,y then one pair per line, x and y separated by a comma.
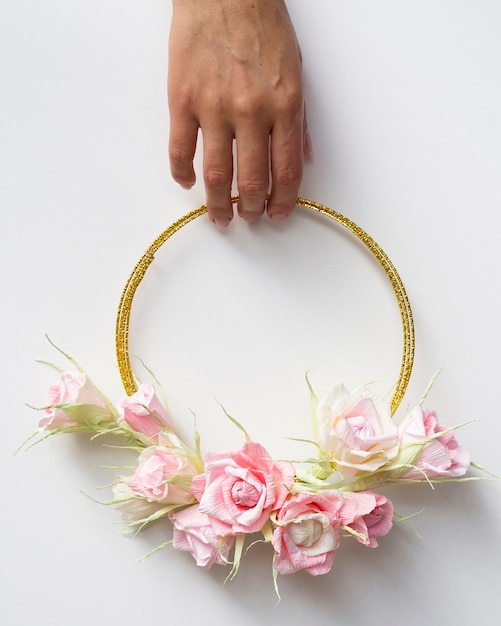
x,y
235,73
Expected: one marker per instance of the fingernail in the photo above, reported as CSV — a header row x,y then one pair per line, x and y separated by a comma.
x,y
222,221
278,217
307,145
187,185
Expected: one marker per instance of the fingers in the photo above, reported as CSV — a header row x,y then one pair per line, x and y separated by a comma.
x,y
237,74
182,145
256,150
218,174
286,154
252,171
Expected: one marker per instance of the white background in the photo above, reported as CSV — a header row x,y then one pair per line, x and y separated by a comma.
x,y
403,100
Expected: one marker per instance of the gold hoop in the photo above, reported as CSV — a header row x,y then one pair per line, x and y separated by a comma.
x,y
124,308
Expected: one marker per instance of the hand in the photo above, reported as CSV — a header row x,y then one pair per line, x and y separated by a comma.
x,y
235,73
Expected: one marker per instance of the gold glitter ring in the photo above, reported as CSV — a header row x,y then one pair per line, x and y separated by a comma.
x,y
124,309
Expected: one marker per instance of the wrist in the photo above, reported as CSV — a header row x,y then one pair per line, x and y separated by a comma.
x,y
226,3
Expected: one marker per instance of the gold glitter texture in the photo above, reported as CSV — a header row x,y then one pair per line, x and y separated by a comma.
x,y
125,306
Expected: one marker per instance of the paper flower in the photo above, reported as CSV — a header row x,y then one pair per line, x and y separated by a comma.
x,y
75,403
242,488
356,431
438,454
144,413
307,533
214,502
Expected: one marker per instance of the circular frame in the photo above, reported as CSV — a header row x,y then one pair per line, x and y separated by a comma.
x,y
125,306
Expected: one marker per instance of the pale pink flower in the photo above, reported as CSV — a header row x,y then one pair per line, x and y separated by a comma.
x,y
194,533
144,412
369,514
198,486
74,401
132,507
441,457
242,488
307,533
356,431
164,474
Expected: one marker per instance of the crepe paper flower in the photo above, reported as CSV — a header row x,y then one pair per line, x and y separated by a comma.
x,y
437,454
216,502
194,533
75,403
242,488
355,431
306,533
164,474
135,510
366,516
144,413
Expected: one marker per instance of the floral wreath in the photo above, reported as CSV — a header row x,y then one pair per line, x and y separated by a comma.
x,y
215,501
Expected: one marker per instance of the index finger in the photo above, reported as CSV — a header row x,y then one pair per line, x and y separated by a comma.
x,y
182,146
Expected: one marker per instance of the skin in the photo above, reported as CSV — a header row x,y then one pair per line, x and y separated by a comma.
x,y
235,74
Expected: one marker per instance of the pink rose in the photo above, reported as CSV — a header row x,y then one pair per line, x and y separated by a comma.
x,y
441,457
144,412
356,431
242,488
193,532
307,533
369,514
164,474
74,402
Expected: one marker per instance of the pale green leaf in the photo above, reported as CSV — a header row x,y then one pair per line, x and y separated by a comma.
x,y
313,407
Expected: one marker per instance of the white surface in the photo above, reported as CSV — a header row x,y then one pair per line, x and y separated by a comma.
x,y
403,103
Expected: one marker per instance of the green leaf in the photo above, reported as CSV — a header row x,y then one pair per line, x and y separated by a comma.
x,y
237,557
180,480
405,519
66,356
483,469
236,423
32,436
430,385
197,454
138,525
354,533
157,383
313,407
90,415
275,585
313,443
267,531
160,547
